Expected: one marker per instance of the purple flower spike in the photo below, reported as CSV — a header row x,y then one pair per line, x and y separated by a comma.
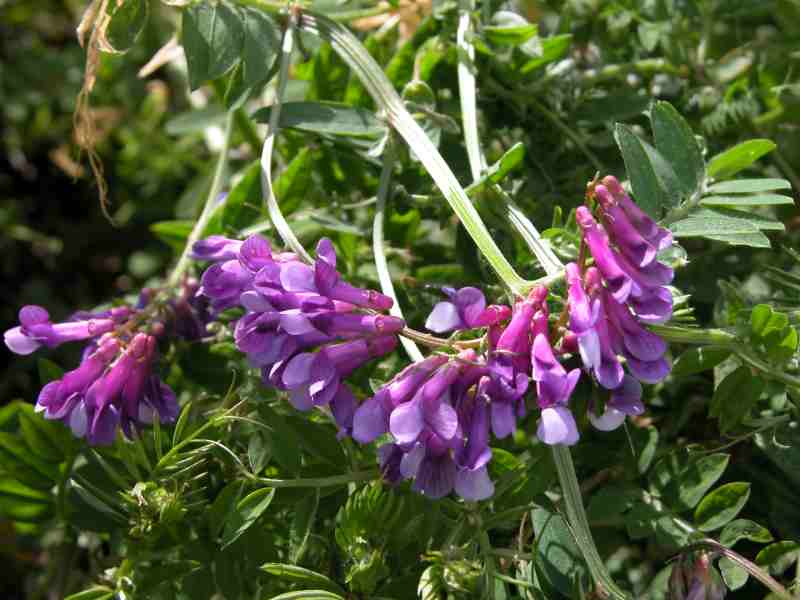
x,y
627,238
36,330
657,236
216,248
618,281
625,400
557,426
465,309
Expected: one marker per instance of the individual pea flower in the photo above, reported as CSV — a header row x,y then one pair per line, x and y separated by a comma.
x,y
465,308
554,386
371,419
627,238
510,366
625,401
216,248
35,329
696,580
607,261
652,232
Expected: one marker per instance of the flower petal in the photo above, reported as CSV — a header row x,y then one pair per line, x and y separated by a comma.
x,y
443,318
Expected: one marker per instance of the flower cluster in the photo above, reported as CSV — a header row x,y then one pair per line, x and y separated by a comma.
x,y
115,384
610,302
304,327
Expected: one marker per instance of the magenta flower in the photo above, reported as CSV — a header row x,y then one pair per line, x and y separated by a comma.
x,y
606,260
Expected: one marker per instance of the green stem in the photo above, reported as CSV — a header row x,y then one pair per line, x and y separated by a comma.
x,y
379,250
380,88
274,209
344,16
486,550
576,515
466,89
317,482
208,209
686,335
749,566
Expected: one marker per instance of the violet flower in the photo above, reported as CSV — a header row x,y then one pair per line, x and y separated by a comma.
x,y
625,400
554,386
465,309
616,278
36,330
656,235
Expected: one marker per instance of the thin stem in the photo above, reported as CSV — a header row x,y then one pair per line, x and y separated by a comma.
x,y
317,482
576,516
380,88
274,209
686,335
208,209
746,564
486,550
379,250
513,554
466,89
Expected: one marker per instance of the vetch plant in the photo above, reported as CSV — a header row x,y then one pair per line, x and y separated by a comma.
x,y
565,418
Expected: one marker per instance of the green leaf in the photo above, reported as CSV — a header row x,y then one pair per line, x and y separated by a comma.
x,y
681,479
739,157
301,576
247,511
173,233
713,223
748,200
560,559
775,556
753,240
40,437
735,396
744,529
759,318
697,360
308,595
241,206
128,19
676,142
22,454
509,29
261,46
196,121
258,452
748,186
224,504
213,39
654,182
305,513
733,575
99,592
553,48
329,118
721,505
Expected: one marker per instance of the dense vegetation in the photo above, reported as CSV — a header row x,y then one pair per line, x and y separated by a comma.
x,y
603,400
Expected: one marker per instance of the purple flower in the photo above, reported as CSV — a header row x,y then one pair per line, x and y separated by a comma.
x,y
58,398
554,386
36,330
509,366
626,400
371,419
328,282
627,238
656,235
465,309
638,342
472,478
617,279
216,248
